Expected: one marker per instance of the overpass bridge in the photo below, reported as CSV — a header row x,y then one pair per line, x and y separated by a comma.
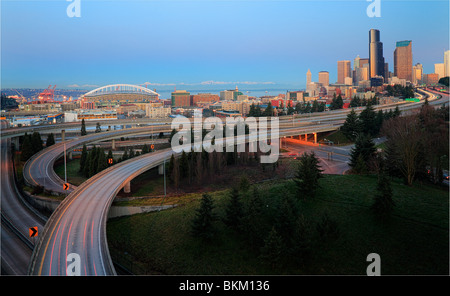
x,y
87,206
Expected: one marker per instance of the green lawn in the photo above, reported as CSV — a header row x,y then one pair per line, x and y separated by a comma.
x,y
413,241
73,175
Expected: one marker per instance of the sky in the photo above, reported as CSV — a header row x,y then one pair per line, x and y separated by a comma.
x,y
254,44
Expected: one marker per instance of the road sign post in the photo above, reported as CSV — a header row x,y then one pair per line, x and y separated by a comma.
x,y
33,231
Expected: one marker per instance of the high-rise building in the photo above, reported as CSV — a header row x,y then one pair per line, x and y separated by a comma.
x,y
447,63
403,60
181,98
356,62
417,74
386,72
344,70
430,79
376,59
324,78
308,78
439,69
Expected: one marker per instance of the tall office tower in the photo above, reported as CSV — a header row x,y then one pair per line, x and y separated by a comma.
x,y
417,73
386,72
344,70
447,63
308,78
403,60
324,78
439,69
376,59
356,62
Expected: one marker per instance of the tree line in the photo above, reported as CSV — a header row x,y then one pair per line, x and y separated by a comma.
x,y
95,160
416,146
32,144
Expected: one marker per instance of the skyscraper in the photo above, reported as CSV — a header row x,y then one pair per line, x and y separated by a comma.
x,y
324,78
447,63
403,60
439,69
417,73
344,70
376,59
308,78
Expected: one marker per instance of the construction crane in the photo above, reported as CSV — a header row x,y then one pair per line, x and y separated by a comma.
x,y
47,95
24,100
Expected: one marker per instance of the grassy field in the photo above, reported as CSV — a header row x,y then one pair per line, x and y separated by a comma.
x,y
73,175
414,240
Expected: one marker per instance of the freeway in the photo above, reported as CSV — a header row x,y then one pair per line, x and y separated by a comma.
x,y
17,217
78,224
39,169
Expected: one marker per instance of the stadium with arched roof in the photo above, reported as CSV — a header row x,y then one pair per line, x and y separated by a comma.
x,y
119,94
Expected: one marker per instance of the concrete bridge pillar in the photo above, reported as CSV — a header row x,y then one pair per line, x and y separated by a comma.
x,y
70,155
127,188
161,169
113,144
63,135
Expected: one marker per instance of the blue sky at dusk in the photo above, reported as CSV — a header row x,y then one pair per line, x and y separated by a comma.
x,y
252,44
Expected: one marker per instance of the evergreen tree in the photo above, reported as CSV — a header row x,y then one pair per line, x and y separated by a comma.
x,y
184,165
352,126
87,164
102,162
301,240
36,142
253,221
272,250
308,175
244,184
83,128
328,228
365,150
379,120
234,210
125,155
315,106
336,102
170,167
93,164
368,120
322,107
131,153
27,148
269,110
145,149
383,203
396,112
83,158
285,221
50,140
202,225
355,102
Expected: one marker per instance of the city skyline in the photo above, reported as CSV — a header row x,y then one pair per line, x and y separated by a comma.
x,y
252,54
